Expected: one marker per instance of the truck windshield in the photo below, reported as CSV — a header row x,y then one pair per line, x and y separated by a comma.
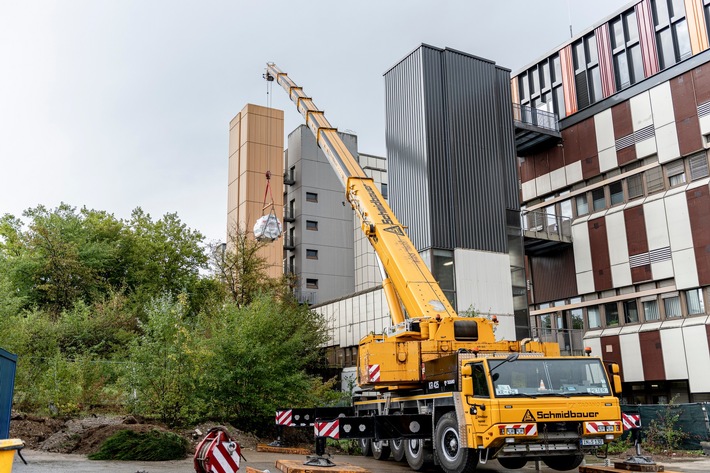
x,y
549,377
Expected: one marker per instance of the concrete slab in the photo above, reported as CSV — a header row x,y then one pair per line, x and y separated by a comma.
x,y
294,466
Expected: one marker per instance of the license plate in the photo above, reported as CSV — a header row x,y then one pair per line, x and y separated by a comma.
x,y
592,441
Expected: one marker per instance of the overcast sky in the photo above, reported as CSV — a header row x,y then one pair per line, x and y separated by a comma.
x,y
118,104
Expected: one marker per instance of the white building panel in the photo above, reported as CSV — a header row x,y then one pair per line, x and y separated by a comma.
x,y
698,358
585,282
607,159
679,231
674,354
631,357
558,178
662,269
581,248
574,172
604,127
529,190
667,143
641,114
543,184
484,283
686,270
595,344
656,228
616,238
646,148
621,275
662,104
705,125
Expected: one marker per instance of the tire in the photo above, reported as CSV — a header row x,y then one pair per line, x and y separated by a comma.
x,y
415,453
397,447
512,463
365,447
563,463
380,450
451,453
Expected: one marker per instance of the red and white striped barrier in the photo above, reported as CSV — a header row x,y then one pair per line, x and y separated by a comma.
x,y
631,421
373,373
217,453
601,427
327,429
284,417
518,429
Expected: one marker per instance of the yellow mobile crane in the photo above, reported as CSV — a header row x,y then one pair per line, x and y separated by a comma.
x,y
439,386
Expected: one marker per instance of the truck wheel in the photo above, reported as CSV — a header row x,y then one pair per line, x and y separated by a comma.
x,y
512,463
451,452
365,447
397,447
415,453
380,450
563,463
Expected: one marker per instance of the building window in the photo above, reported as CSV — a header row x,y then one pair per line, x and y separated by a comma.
x,y
384,191
650,310
628,66
654,180
582,204
672,37
698,165
540,87
312,254
612,314
312,283
616,193
311,197
631,314
671,304
676,173
694,301
311,225
634,185
587,77
598,200
594,320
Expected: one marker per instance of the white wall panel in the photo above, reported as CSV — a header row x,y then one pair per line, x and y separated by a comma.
x,y
679,231
558,178
574,172
595,344
529,190
483,282
604,127
631,357
662,270
667,143
581,248
685,268
641,114
646,148
674,354
607,159
621,275
705,125
698,357
656,229
662,104
585,282
543,184
616,238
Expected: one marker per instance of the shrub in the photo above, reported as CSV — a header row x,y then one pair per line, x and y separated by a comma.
x,y
154,445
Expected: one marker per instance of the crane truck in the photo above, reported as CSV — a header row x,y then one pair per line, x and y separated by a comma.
x,y
438,386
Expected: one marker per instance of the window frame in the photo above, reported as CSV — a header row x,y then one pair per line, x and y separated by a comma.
x,y
312,197
311,253
312,225
311,283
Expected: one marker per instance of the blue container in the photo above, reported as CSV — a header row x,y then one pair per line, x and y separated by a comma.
x,y
7,387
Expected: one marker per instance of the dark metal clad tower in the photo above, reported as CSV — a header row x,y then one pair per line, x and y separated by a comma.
x,y
450,147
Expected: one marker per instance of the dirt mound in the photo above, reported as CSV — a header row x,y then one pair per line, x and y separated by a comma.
x,y
33,430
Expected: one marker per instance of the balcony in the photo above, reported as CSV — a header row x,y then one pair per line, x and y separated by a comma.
x,y
289,177
570,340
289,215
545,232
534,129
289,243
305,297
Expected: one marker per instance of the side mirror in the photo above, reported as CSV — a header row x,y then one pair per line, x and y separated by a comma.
x,y
467,381
617,384
615,377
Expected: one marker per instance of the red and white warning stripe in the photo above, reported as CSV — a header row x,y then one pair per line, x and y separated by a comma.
x,y
327,429
594,427
631,421
530,429
373,372
284,417
222,460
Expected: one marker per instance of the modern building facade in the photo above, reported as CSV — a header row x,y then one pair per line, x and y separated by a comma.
x,y
622,185
255,147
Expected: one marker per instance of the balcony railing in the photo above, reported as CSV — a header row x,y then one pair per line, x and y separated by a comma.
x,y
532,116
289,215
571,340
305,297
289,242
289,268
546,225
289,177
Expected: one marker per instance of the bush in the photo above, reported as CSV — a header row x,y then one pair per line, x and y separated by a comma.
x,y
155,445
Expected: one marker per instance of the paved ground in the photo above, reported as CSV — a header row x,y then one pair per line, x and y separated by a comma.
x,y
43,462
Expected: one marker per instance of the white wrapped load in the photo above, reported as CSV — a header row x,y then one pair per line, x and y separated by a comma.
x,y
267,228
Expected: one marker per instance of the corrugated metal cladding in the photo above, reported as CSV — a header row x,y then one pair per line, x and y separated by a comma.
x,y
450,149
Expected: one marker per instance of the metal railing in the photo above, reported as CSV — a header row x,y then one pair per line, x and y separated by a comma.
x,y
571,340
289,214
305,297
532,116
289,268
289,242
289,177
548,224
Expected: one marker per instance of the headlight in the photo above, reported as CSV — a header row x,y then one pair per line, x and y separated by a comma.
x,y
520,431
509,431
